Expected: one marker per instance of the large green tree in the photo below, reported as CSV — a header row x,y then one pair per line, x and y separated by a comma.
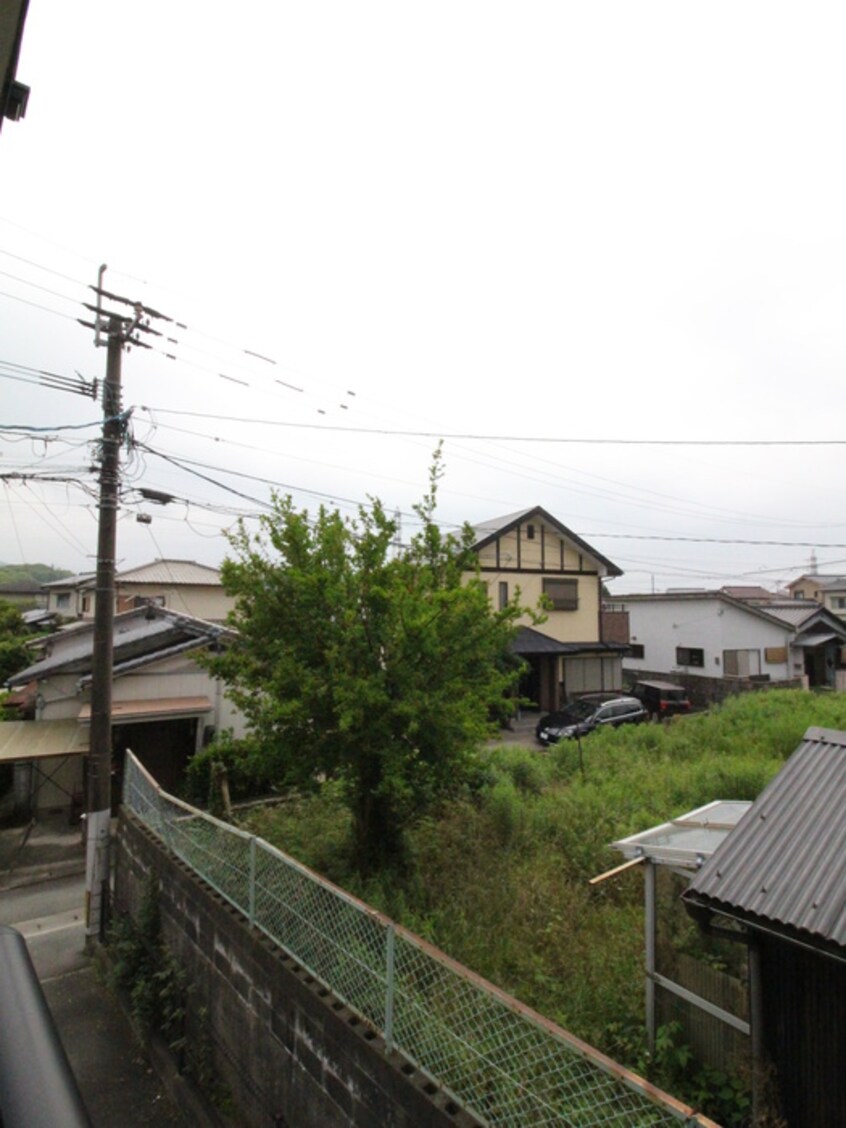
x,y
377,666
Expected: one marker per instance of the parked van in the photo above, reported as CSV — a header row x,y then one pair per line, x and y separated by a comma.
x,y
661,699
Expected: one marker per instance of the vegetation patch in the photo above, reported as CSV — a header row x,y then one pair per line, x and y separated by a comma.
x,y
498,874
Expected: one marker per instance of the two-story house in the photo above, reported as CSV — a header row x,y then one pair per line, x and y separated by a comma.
x,y
180,585
531,551
830,591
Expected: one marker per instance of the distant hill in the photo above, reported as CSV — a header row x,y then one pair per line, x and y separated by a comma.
x,y
30,573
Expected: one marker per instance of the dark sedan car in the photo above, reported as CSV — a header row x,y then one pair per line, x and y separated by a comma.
x,y
589,713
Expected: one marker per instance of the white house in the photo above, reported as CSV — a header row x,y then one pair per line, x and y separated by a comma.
x,y
711,635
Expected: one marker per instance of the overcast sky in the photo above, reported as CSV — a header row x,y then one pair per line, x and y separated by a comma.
x,y
504,224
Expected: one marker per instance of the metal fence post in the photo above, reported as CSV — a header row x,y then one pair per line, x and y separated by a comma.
x,y
164,821
252,887
389,986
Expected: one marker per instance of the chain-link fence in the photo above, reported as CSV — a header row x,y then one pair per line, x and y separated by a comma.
x,y
495,1057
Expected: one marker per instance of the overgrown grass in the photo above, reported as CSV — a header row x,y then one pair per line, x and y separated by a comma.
x,y
500,874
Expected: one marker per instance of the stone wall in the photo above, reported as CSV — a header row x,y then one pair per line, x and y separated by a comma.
x,y
704,691
288,1052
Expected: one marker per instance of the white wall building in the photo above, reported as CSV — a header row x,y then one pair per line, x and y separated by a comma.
x,y
712,635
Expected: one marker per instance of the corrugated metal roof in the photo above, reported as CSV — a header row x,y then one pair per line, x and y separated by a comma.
x,y
785,862
170,572
35,740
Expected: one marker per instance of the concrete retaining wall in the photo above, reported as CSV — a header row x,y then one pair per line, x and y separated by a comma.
x,y
289,1053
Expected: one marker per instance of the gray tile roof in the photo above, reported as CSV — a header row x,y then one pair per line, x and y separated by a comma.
x,y
784,864
79,580
529,641
136,633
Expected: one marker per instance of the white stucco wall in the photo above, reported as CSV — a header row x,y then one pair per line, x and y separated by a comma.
x,y
172,677
709,624
202,602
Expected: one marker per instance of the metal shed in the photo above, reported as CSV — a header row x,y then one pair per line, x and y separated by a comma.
x,y
780,878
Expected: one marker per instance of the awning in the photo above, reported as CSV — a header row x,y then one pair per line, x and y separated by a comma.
x,y
688,840
34,740
153,709
812,640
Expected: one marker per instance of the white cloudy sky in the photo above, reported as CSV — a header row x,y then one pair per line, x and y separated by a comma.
x,y
513,223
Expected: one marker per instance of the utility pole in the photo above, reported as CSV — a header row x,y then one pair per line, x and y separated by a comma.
x,y
99,798
119,333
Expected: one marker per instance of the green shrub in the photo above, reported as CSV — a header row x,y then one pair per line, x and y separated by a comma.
x,y
251,770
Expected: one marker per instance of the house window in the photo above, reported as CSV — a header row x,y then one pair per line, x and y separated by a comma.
x,y
530,532
838,601
503,594
63,600
741,663
690,656
636,650
562,594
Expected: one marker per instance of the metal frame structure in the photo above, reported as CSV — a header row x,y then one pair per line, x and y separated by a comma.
x,y
684,844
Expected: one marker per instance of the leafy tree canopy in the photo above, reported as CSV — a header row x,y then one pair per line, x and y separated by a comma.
x,y
14,655
379,667
31,573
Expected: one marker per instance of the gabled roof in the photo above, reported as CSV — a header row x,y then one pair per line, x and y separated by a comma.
x,y
79,580
170,572
824,583
488,531
748,591
784,864
804,615
766,611
141,635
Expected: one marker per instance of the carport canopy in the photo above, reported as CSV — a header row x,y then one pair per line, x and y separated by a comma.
x,y
36,740
153,709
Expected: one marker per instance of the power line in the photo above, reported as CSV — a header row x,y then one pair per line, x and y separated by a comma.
x,y
554,439
713,540
35,305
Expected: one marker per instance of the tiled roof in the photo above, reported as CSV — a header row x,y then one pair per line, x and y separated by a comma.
x,y
784,864
71,581
147,631
529,641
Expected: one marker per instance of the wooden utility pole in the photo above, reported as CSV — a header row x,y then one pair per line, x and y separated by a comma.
x,y
99,804
119,332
